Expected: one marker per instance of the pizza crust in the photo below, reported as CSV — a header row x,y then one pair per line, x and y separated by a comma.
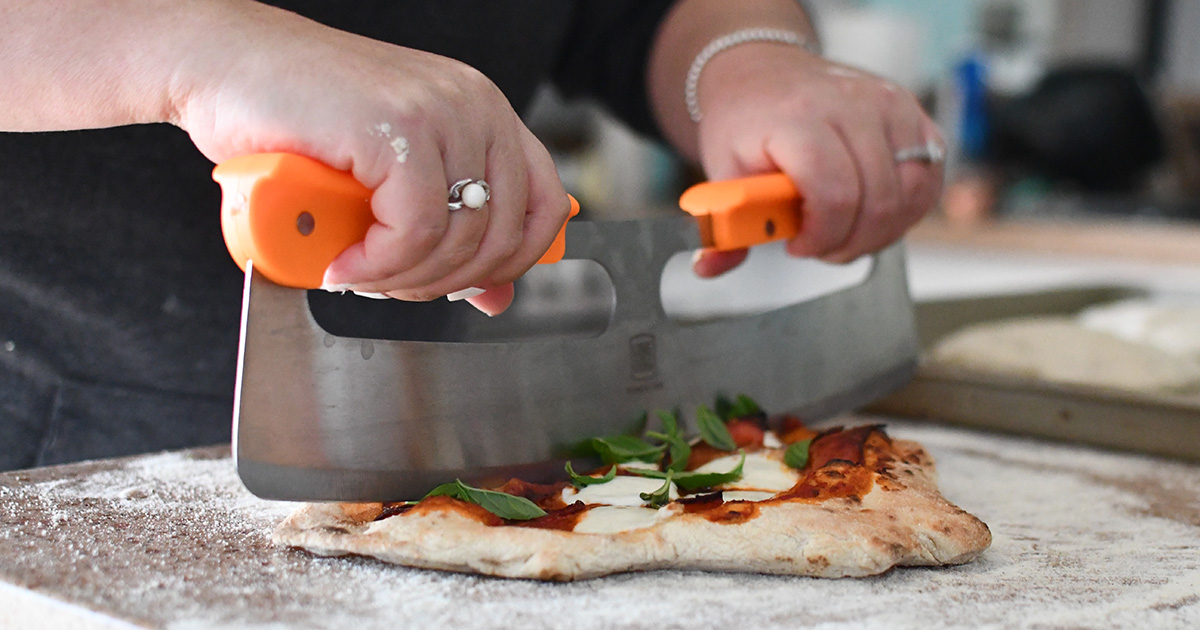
x,y
901,521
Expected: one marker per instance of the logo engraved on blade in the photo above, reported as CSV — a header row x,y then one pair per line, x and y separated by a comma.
x,y
643,357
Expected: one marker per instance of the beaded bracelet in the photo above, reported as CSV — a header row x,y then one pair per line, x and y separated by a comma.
x,y
729,41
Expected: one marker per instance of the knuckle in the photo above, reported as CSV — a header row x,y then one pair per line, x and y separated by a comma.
x,y
886,206
461,254
503,246
840,198
424,237
507,246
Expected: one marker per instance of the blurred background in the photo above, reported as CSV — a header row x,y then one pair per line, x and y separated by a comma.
x,y
1059,109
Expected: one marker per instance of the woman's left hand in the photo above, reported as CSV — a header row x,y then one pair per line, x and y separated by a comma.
x,y
834,130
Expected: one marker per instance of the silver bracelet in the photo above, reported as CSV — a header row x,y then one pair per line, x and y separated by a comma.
x,y
730,40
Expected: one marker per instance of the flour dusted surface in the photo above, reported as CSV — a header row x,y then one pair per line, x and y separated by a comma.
x,y
1081,538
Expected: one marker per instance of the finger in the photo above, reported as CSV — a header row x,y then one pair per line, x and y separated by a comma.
x,y
881,198
493,301
819,162
917,185
410,221
710,263
463,245
921,181
546,210
505,234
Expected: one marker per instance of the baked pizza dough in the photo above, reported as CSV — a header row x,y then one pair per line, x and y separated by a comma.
x,y
861,505
1173,328
1061,349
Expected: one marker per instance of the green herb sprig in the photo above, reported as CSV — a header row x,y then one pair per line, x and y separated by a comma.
x,y
713,429
740,407
580,481
501,504
618,449
796,455
678,450
659,497
695,480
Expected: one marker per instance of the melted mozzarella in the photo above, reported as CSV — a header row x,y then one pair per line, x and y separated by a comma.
x,y
759,473
770,440
607,519
623,490
745,495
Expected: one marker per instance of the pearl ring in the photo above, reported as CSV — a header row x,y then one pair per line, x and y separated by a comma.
x,y
469,193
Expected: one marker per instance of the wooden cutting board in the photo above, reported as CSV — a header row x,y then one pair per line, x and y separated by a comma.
x,y
1083,538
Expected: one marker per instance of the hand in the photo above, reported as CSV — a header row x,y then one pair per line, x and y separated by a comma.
x,y
833,130
407,124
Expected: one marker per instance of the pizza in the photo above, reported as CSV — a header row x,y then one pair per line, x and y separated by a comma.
x,y
749,494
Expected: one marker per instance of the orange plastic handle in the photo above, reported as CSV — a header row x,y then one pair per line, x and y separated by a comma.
x,y
292,215
738,213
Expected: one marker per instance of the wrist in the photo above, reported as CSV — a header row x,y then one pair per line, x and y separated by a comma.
x,y
222,39
688,28
723,44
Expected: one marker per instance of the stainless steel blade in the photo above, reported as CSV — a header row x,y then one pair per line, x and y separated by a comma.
x,y
328,417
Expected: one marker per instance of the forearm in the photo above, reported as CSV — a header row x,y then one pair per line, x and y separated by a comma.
x,y
687,29
70,64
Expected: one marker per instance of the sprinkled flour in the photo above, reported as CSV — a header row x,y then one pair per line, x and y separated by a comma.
x,y
1082,538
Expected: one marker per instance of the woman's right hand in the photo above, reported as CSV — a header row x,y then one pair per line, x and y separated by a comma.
x,y
406,123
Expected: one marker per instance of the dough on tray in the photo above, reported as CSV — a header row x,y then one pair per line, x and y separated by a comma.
x,y
1063,350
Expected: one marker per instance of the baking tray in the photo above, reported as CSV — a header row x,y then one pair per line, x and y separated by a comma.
x,y
1160,424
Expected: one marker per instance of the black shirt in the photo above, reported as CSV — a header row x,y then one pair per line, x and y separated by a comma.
x,y
118,301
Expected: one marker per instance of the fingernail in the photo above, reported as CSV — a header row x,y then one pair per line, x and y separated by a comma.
x,y
373,296
468,292
697,255
336,288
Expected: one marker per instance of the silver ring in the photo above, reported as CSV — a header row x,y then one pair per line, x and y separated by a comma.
x,y
455,198
931,152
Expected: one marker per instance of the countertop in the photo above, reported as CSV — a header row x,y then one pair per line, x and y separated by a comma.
x,y
1083,538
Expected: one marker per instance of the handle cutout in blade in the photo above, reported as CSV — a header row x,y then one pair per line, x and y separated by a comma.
x,y
768,280
571,298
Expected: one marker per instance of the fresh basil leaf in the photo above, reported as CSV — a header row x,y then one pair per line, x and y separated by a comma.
x,y
451,489
677,449
618,449
501,504
796,455
713,429
669,421
744,407
724,408
580,481
504,505
659,497
695,480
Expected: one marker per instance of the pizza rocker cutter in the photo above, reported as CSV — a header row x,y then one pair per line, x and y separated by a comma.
x,y
344,398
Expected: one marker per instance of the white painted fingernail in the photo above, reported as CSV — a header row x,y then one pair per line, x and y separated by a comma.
x,y
468,292
373,296
697,255
336,288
